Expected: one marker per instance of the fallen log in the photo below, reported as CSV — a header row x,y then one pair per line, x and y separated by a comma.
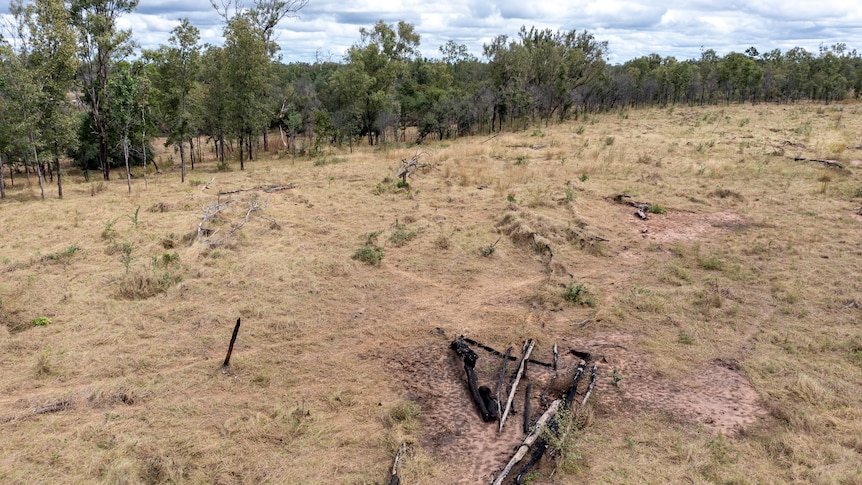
x,y
497,352
570,395
595,373
394,480
527,408
515,384
528,441
491,404
828,163
266,188
470,359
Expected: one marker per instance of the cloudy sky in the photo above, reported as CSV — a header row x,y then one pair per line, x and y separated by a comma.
x,y
324,29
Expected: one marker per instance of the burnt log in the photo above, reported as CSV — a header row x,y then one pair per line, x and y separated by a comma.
x,y
573,391
470,359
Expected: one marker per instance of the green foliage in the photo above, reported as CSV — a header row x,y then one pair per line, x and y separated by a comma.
x,y
521,160
616,377
579,295
66,254
108,232
488,250
126,257
511,198
685,338
134,217
40,321
570,195
656,209
584,177
370,253
609,140
400,234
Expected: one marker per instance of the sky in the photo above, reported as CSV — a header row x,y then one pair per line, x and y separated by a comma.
x,y
325,29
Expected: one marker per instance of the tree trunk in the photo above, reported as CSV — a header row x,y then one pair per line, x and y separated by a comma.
x,y
192,151
59,177
266,140
241,160
126,157
3,182
182,159
38,165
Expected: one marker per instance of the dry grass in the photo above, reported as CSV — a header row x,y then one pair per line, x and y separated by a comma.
x,y
756,261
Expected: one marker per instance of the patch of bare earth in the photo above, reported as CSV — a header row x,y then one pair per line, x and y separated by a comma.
x,y
687,226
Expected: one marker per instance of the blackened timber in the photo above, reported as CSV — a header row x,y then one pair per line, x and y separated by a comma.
x,y
527,408
500,381
470,359
497,352
570,396
230,347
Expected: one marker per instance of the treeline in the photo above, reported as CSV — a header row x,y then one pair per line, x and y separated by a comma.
x,y
72,85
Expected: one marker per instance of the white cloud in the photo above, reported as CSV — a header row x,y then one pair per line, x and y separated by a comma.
x,y
676,28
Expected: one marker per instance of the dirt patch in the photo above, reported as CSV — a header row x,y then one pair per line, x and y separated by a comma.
x,y
717,396
688,226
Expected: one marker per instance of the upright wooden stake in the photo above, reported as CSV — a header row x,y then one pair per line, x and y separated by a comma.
x,y
232,340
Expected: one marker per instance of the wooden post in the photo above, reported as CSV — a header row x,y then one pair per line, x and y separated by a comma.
x,y
230,347
527,408
556,356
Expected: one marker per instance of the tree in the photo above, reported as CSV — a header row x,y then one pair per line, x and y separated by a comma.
x,y
247,73
176,67
101,43
127,91
51,59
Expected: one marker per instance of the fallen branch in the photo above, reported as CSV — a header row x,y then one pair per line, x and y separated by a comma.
x,y
53,407
394,480
528,441
500,380
470,359
527,408
828,163
581,323
266,188
595,373
570,395
497,352
207,185
515,385
230,347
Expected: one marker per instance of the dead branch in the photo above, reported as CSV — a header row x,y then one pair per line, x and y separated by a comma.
x,y
408,168
53,407
210,211
573,391
500,380
394,480
515,384
470,359
528,441
266,188
527,408
595,373
828,163
206,236
207,185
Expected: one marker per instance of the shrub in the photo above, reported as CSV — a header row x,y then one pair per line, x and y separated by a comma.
x,y
578,294
40,321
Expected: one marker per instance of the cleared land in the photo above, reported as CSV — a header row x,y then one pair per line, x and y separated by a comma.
x,y
728,329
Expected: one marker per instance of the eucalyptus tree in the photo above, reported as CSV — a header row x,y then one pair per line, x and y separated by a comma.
x,y
176,68
101,43
49,54
376,62
127,90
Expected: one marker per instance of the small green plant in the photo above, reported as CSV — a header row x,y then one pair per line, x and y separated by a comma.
x,y
403,184
685,338
66,254
126,258
40,321
616,377
488,250
167,261
584,177
400,234
370,253
578,294
134,218
511,198
521,160
656,209
570,195
44,366
609,140
195,182
108,232
581,129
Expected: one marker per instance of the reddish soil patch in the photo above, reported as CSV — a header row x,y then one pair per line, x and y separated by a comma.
x,y
687,226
